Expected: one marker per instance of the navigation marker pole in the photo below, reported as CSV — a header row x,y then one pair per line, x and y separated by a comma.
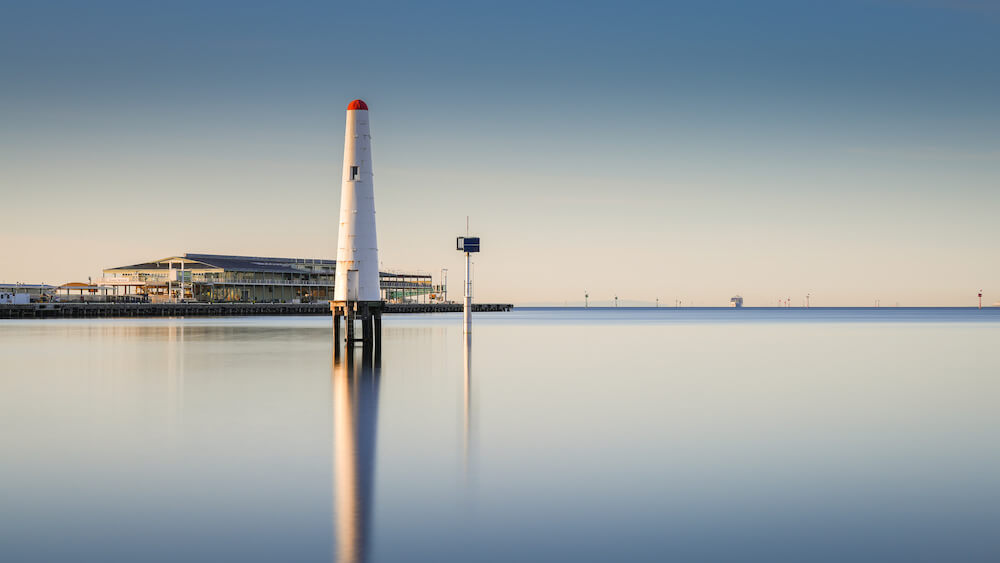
x,y
468,245
467,309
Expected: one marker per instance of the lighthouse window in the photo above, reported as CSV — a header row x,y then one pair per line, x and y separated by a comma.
x,y
354,173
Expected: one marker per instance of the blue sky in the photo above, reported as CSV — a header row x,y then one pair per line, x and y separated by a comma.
x,y
676,150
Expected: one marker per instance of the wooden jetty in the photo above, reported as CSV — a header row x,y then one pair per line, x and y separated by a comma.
x,y
125,310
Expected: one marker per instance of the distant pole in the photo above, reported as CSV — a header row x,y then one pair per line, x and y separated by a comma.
x,y
468,245
616,301
444,281
657,302
586,299
980,299
807,301
468,291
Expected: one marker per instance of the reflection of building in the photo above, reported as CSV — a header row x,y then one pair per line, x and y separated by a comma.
x,y
213,277
355,414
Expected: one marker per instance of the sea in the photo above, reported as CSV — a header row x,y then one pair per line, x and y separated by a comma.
x,y
548,434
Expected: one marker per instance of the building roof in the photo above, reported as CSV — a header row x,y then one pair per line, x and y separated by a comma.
x,y
262,264
163,265
402,275
357,104
80,286
259,263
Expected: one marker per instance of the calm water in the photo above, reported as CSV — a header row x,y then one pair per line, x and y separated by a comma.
x,y
600,435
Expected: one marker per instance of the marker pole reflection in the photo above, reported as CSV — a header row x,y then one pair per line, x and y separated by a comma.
x,y
467,401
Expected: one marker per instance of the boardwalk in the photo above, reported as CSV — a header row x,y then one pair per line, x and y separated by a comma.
x,y
124,310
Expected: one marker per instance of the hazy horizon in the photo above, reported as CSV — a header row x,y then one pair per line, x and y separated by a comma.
x,y
683,151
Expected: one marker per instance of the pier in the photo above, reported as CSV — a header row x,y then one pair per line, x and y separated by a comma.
x,y
127,310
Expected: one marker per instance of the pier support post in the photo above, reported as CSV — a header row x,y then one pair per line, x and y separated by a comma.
x,y
377,344
336,326
336,331
370,315
366,330
349,319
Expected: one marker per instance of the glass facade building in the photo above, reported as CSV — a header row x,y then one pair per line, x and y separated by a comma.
x,y
223,278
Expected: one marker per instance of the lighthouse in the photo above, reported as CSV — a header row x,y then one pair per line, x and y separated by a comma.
x,y
356,292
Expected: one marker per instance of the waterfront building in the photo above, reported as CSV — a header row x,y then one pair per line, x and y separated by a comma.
x,y
8,298
19,292
80,291
223,278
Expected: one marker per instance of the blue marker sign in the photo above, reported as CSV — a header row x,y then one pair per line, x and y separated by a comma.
x,y
468,244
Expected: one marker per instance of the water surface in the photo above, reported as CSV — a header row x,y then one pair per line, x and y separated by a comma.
x,y
586,435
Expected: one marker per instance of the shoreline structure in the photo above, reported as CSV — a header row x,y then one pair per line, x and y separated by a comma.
x,y
163,310
129,310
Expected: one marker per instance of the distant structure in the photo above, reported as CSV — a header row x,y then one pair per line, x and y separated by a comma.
x,y
736,302
356,290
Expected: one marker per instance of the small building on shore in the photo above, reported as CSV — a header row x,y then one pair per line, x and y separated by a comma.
x,y
7,298
250,279
25,292
81,291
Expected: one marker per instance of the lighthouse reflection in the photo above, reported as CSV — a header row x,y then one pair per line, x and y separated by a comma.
x,y
355,384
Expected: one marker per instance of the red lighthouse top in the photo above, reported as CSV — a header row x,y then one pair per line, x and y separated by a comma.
x,y
357,104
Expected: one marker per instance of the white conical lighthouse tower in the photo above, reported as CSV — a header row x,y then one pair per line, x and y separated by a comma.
x,y
356,292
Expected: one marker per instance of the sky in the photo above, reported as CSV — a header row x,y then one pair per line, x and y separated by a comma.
x,y
657,150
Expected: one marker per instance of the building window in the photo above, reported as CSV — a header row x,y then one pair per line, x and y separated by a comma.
x,y
354,173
